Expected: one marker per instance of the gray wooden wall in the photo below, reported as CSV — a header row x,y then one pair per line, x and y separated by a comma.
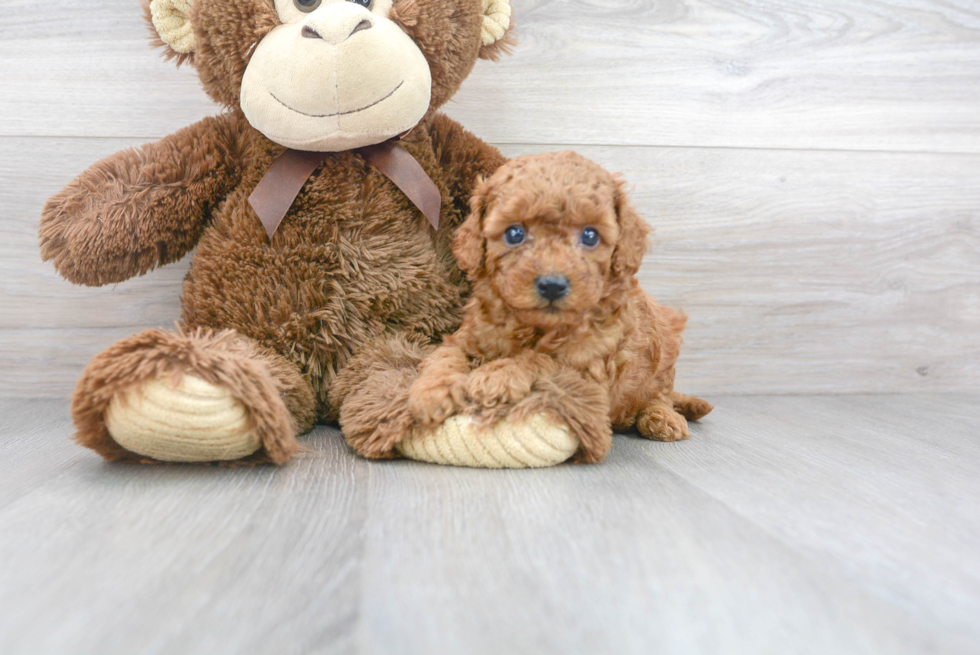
x,y
812,169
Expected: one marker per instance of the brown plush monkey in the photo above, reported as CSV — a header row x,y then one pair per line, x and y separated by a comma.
x,y
323,313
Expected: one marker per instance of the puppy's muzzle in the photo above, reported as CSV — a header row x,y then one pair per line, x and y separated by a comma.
x,y
552,287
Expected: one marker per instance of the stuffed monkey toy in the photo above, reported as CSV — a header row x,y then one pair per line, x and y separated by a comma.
x,y
322,204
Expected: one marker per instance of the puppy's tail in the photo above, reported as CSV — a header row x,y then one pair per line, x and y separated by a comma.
x,y
690,407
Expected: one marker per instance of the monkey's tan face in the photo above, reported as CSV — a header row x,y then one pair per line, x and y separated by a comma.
x,y
549,258
335,75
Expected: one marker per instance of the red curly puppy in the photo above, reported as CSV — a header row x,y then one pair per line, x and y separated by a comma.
x,y
552,247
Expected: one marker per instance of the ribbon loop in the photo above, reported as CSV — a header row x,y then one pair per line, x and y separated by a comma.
x,y
279,187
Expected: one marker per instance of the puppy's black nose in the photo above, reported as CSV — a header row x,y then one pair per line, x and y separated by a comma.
x,y
552,287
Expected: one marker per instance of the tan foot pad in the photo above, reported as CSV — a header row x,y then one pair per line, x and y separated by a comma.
x,y
192,422
534,443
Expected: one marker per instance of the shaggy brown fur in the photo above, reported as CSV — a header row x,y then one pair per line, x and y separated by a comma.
x,y
279,401
354,271
372,393
606,333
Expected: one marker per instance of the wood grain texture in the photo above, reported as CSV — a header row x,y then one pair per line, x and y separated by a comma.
x,y
174,559
801,271
823,525
842,74
805,525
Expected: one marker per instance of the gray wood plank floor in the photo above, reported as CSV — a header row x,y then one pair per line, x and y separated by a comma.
x,y
838,524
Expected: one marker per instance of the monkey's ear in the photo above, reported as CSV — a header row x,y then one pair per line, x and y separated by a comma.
x,y
633,233
469,244
497,32
171,19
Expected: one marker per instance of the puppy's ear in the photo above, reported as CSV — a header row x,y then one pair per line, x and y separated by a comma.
x,y
633,231
469,246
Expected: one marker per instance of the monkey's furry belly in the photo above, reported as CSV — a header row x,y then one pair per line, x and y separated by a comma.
x,y
317,301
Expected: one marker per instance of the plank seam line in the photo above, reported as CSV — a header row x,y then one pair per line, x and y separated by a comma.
x,y
655,146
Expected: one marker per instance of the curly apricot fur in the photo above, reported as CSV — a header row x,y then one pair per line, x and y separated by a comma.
x,y
606,331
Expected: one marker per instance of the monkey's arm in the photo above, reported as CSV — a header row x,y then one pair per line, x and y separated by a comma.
x,y
464,157
142,207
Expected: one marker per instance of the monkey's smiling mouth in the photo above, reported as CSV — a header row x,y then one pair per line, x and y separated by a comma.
x,y
339,113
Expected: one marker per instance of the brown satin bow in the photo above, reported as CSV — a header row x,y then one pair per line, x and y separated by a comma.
x,y
279,187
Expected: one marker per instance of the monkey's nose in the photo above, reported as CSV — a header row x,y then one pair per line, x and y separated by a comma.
x,y
310,32
363,25
552,287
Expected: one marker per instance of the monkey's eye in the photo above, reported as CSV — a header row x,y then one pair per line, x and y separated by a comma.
x,y
515,235
364,3
307,6
590,237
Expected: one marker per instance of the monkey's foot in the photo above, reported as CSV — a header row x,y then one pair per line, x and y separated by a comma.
x,y
190,421
537,441
191,397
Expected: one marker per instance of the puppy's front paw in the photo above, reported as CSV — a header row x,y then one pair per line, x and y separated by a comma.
x,y
433,401
662,423
501,382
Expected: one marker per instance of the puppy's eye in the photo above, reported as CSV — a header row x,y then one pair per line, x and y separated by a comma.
x,y
364,3
307,6
515,235
590,237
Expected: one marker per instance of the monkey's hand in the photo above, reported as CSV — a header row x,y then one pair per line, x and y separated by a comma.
x,y
142,207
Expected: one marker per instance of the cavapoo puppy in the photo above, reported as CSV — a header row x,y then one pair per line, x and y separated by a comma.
x,y
551,248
